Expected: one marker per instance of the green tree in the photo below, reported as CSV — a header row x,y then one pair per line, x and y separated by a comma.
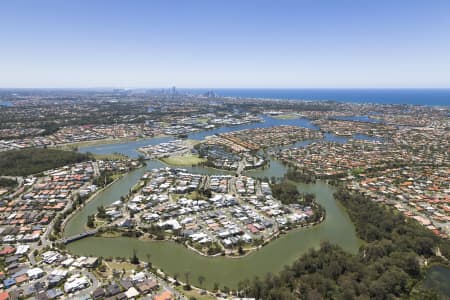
x,y
201,279
101,212
187,286
134,259
90,221
148,255
216,286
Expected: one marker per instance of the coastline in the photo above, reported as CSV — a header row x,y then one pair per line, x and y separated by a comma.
x,y
359,96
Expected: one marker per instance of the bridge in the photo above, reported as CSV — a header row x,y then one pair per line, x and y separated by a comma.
x,y
77,237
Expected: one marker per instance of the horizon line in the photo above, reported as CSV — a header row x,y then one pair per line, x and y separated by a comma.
x,y
224,88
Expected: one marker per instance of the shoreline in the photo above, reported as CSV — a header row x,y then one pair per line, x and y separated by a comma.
x,y
90,198
248,251
147,243
280,237
232,253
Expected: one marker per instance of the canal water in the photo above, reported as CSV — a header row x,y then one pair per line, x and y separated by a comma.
x,y
437,278
129,148
174,259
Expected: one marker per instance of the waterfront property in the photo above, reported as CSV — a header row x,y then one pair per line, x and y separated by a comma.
x,y
260,138
211,214
336,228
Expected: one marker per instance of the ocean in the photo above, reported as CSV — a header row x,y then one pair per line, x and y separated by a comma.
x,y
438,97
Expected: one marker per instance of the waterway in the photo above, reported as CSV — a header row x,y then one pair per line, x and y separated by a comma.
x,y
177,259
129,148
438,278
367,119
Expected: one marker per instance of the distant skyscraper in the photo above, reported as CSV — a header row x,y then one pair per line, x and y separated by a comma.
x,y
210,94
173,90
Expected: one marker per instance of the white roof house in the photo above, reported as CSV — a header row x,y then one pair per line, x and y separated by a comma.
x,y
131,293
22,249
170,223
76,284
35,273
138,277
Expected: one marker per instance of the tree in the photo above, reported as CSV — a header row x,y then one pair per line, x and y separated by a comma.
x,y
386,267
90,221
226,290
141,159
101,212
216,286
309,198
134,259
187,286
148,255
24,162
286,192
186,277
201,279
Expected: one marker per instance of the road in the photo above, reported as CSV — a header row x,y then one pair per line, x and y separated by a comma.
x,y
96,169
240,168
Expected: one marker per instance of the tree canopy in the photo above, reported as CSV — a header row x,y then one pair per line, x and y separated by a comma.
x,y
386,267
286,192
35,160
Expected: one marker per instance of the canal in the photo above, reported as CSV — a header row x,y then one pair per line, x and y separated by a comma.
x,y
437,278
174,259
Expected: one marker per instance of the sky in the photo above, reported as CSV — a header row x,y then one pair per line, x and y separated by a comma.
x,y
225,43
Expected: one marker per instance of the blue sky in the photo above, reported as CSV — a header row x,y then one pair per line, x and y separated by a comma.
x,y
213,43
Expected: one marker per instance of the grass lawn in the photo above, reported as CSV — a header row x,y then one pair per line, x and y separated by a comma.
x,y
202,120
287,116
110,234
192,143
99,223
120,266
112,156
184,160
137,186
194,294
116,176
194,196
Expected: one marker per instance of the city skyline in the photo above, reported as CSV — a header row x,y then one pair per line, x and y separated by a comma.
x,y
204,44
